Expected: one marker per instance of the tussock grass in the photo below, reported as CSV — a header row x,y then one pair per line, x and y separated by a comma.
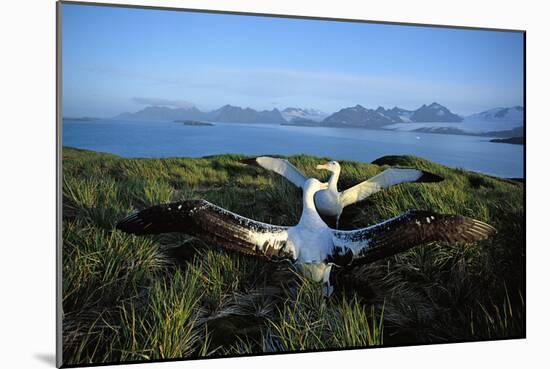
x,y
173,305
171,296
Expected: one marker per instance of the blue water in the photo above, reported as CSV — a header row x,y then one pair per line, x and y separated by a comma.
x,y
167,139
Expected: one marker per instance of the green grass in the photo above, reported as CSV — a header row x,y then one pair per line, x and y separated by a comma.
x,y
171,296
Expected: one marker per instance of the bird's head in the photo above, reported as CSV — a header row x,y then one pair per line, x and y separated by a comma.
x,y
331,166
313,185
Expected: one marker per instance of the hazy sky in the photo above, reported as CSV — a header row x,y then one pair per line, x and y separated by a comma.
x,y
121,59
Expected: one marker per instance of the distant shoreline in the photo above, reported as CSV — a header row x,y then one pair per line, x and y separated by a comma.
x,y
194,123
449,130
511,140
81,119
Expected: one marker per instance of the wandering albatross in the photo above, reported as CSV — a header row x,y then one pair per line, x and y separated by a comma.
x,y
310,245
330,202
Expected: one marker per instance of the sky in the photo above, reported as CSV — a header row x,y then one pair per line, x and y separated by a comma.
x,y
116,60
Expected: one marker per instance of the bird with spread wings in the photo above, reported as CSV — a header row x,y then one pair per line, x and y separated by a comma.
x,y
330,202
311,245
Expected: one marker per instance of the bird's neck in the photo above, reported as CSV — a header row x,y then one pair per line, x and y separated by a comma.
x,y
333,180
309,212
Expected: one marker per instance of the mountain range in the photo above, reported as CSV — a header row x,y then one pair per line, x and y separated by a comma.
x,y
227,113
356,116
160,113
515,113
359,116
236,114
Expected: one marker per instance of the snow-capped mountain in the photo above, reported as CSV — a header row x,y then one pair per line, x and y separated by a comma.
x,y
291,114
434,113
515,113
497,121
359,116
404,115
396,115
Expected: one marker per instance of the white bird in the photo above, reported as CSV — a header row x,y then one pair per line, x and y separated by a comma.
x,y
310,245
330,202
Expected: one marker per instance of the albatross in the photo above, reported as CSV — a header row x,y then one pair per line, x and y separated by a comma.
x,y
312,246
330,202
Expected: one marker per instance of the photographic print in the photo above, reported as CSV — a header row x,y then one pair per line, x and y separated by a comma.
x,y
237,184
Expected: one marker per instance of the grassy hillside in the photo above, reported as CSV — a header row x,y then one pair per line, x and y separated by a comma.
x,y
170,296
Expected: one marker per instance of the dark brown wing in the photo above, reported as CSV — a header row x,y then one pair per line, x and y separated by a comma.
x,y
214,225
408,230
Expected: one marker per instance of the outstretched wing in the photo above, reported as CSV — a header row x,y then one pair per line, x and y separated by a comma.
x,y
280,166
389,177
214,225
408,230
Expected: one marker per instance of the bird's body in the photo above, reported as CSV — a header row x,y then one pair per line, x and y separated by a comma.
x,y
312,239
330,202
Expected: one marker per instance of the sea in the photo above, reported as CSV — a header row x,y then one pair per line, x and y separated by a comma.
x,y
142,139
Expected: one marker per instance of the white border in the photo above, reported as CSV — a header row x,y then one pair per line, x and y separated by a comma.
x,y
27,209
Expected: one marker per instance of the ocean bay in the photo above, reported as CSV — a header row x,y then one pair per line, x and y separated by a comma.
x,y
169,139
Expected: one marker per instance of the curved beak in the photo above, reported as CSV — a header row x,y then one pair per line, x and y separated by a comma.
x,y
323,185
322,166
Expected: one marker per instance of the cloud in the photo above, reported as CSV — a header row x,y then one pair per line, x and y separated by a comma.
x,y
211,86
338,89
163,102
